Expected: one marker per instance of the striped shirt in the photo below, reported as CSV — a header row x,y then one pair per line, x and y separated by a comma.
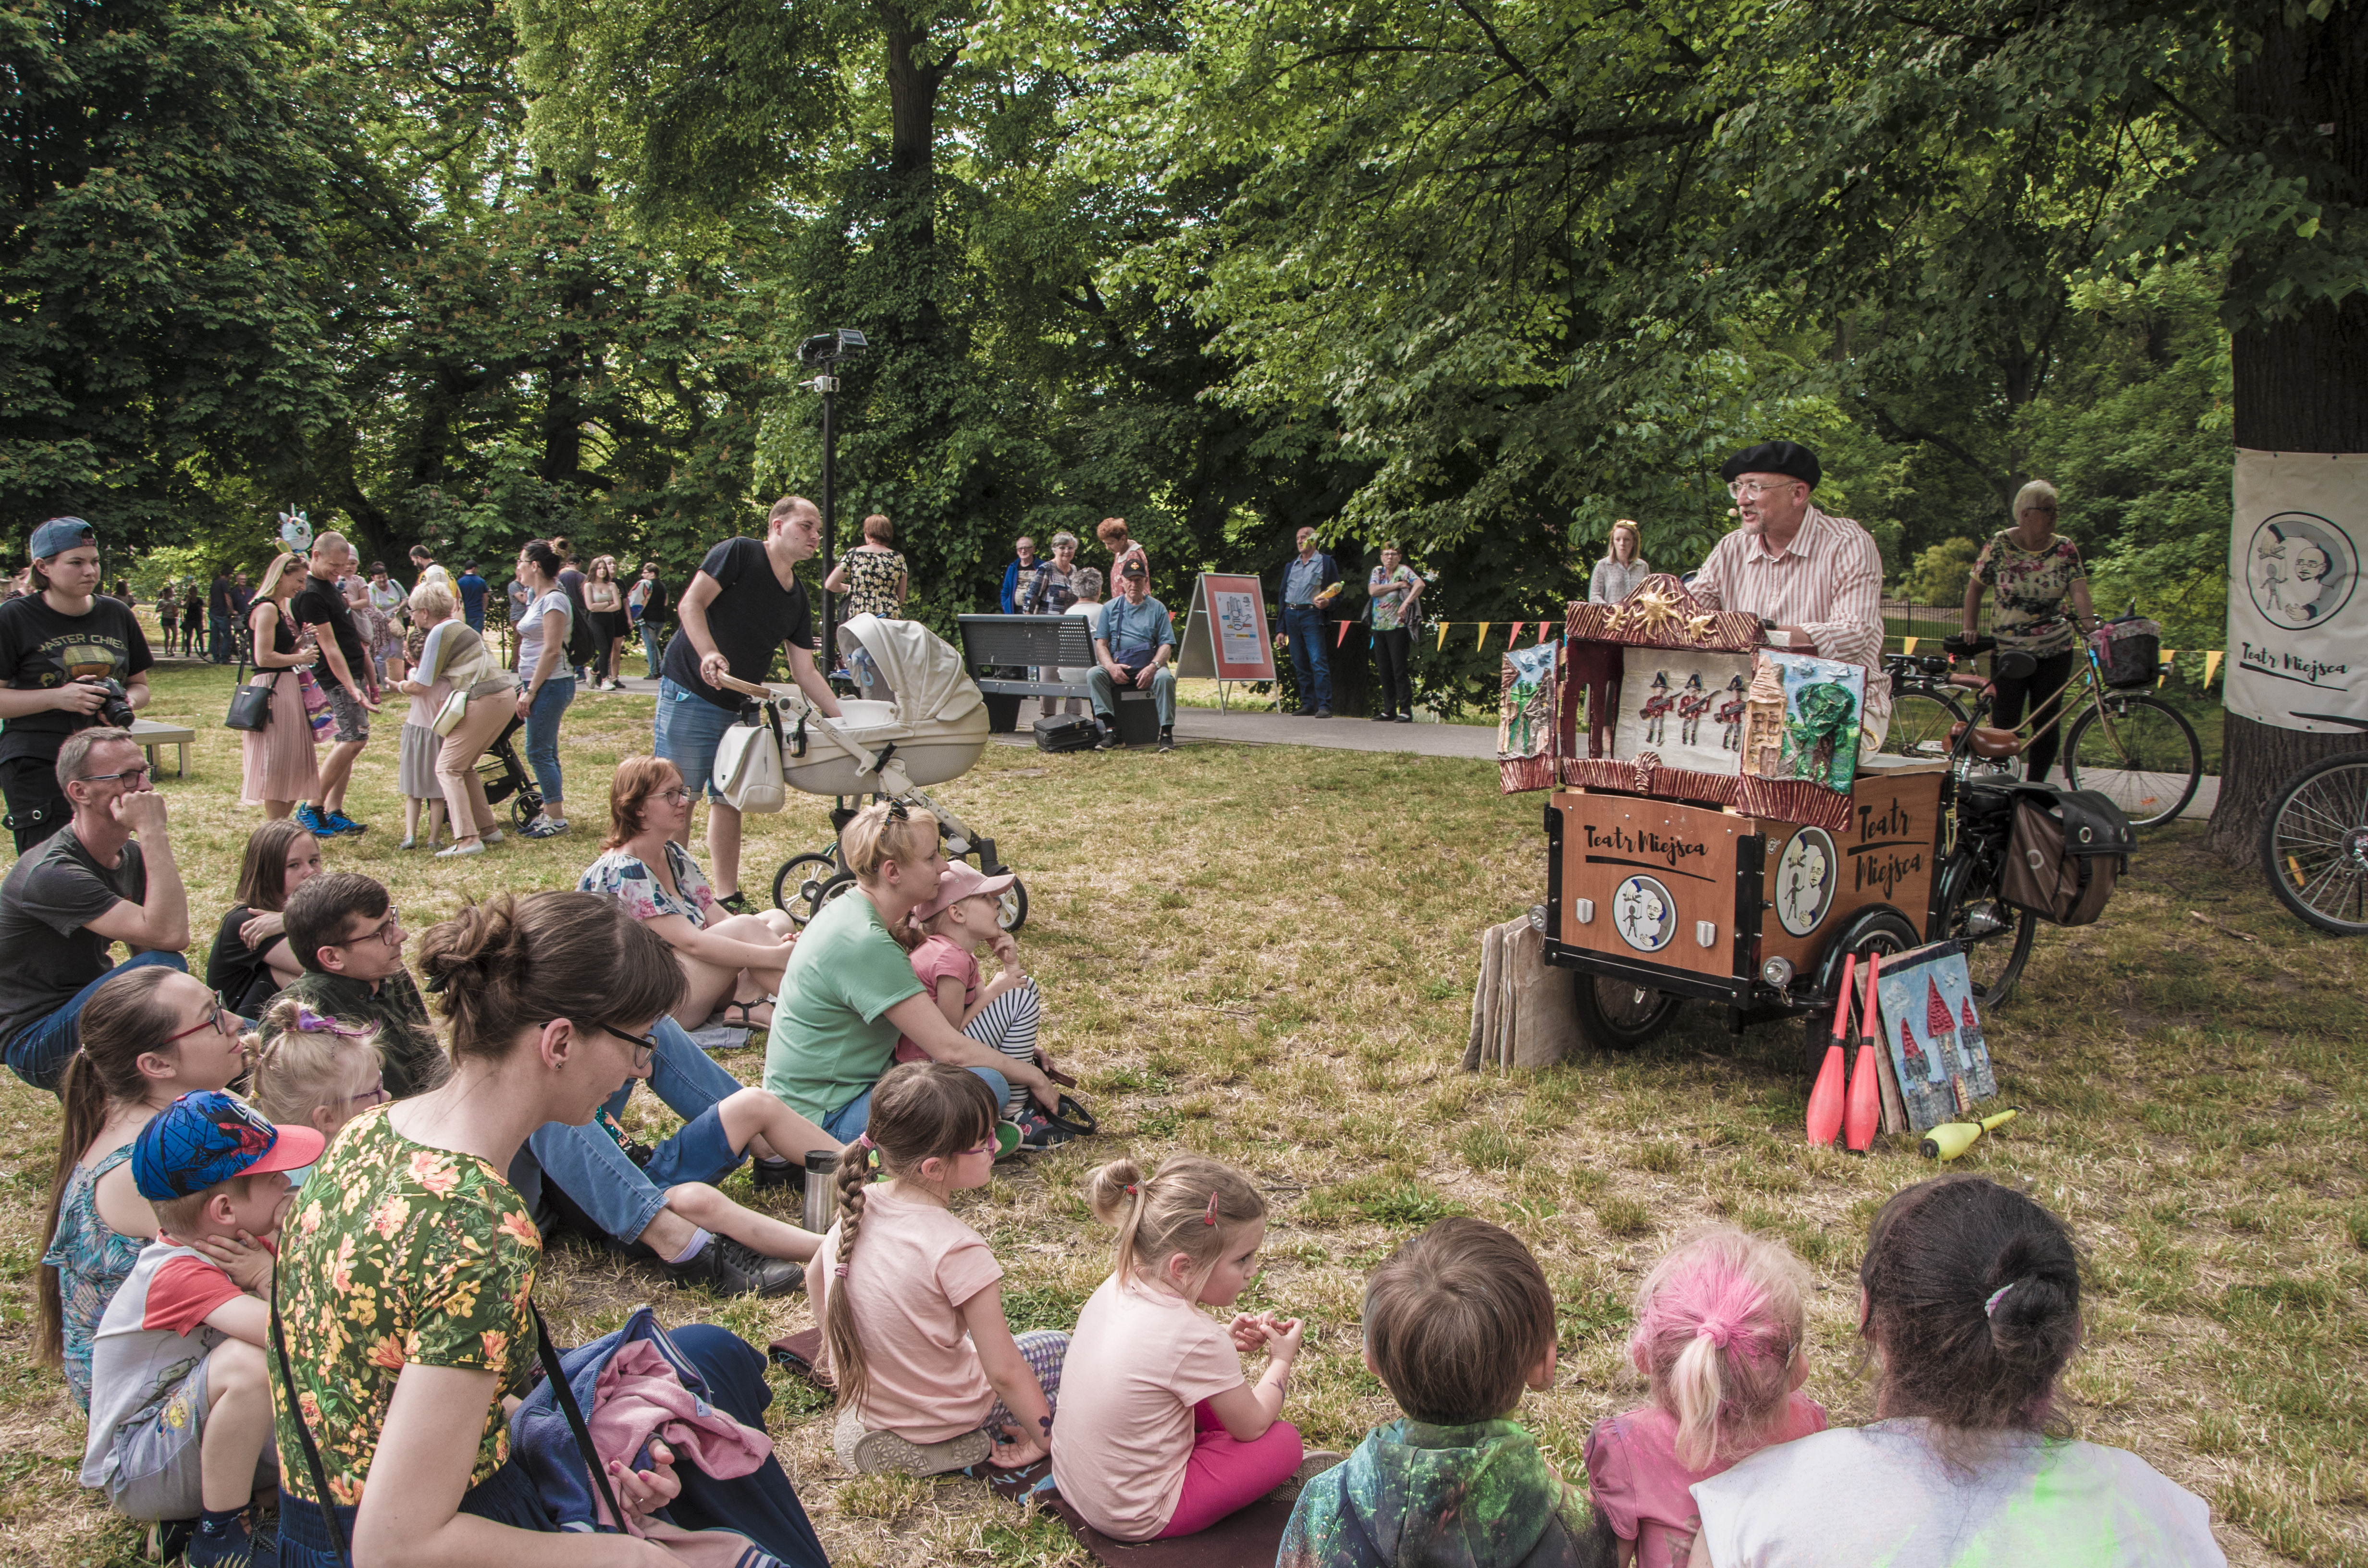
x,y
1827,580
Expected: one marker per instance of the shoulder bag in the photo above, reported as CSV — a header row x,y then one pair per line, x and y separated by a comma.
x,y
250,703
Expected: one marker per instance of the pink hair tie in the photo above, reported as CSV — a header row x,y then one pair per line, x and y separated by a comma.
x,y
863,1140
841,1271
1720,1334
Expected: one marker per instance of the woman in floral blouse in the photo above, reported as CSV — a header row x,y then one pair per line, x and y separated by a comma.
x,y
1395,586
732,961
2032,569
406,1277
872,575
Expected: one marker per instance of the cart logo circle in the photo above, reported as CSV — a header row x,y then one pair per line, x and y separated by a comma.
x,y
1804,880
2301,569
1644,914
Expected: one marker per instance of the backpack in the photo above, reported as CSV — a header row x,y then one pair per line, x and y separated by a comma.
x,y
2066,850
582,644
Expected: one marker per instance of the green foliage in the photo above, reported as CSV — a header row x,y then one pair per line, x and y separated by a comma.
x,y
1940,573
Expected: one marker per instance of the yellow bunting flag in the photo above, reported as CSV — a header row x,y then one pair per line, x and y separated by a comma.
x,y
1442,636
1483,634
2168,656
2212,666
1910,642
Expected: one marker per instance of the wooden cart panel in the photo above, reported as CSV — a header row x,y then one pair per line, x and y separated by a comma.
x,y
1816,879
1650,880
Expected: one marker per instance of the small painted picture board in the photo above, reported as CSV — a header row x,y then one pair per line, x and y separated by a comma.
x,y
1933,1035
1686,708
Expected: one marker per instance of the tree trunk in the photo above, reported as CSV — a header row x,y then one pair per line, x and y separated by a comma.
x,y
2301,385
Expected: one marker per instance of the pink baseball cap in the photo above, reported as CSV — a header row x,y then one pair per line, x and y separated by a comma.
x,y
961,880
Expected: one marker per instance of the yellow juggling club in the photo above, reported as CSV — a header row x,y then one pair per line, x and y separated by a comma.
x,y
1951,1139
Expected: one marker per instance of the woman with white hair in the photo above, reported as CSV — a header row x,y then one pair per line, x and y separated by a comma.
x,y
2032,569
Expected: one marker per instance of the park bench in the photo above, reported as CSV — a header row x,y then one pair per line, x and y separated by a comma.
x,y
152,737
1000,650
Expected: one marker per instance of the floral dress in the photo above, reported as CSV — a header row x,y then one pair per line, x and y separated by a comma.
x,y
2030,586
871,578
1389,613
92,1262
400,1253
620,874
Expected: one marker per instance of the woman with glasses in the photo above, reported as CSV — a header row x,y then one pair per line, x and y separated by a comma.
x,y
729,962
251,961
411,1234
2033,570
149,1036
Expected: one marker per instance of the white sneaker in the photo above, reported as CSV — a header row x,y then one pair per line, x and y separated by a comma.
x,y
490,837
460,849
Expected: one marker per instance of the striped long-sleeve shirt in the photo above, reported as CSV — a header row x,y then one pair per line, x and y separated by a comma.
x,y
1826,580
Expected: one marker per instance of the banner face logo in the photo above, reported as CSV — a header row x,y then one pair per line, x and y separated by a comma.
x,y
1644,914
2297,621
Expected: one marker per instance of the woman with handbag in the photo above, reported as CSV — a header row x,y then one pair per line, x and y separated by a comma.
x,y
278,766
402,1311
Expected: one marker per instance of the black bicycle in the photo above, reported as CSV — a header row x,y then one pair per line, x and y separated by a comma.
x,y
1968,905
2315,842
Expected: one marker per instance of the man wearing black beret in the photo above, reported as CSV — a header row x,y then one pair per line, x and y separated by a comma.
x,y
1818,578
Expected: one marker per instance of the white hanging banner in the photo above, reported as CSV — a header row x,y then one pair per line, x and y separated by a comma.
x,y
2297,619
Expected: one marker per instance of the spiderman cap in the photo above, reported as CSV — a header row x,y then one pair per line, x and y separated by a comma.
x,y
205,1138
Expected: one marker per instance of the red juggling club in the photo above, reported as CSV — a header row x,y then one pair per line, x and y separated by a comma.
x,y
1825,1097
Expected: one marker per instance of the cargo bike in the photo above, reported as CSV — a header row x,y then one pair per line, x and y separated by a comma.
x,y
917,719
1668,883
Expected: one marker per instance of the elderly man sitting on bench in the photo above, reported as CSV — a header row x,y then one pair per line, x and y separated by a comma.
x,y
1133,647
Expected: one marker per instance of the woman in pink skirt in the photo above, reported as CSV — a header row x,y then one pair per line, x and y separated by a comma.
x,y
278,766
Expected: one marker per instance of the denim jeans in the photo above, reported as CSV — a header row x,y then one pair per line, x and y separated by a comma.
x,y
1104,690
848,1121
543,734
651,648
1310,661
218,638
38,1052
585,1163
686,733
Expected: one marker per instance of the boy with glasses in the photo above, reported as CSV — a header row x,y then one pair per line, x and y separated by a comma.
x,y
87,887
349,936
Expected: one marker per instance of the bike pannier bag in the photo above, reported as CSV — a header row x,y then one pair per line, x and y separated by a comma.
x,y
2129,652
1066,732
2067,849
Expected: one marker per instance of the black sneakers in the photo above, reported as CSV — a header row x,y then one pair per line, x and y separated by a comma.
x,y
1108,739
1167,737
733,1268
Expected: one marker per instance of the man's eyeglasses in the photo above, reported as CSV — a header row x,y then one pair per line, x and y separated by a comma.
x,y
127,775
389,931
219,1017
1752,489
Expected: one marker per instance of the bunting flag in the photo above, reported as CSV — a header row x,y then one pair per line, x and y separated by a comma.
x,y
1442,636
1545,630
1342,638
1484,635
1911,642
2212,666
1515,635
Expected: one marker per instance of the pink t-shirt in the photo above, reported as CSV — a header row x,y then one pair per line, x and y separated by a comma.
x,y
941,958
915,1266
1140,1360
1641,1487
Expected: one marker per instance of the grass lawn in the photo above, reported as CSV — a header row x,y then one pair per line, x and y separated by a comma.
x,y
1297,1003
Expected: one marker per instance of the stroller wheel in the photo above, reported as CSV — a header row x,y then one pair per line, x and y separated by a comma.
x,y
1011,909
798,885
526,807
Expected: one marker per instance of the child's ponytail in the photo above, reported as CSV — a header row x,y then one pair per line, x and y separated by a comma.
x,y
920,1111
1189,1204
1719,1323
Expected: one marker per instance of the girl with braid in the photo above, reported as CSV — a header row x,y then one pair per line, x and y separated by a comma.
x,y
1164,1437
929,1377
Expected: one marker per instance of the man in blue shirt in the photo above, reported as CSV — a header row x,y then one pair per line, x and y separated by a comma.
x,y
473,596
1133,645
1305,576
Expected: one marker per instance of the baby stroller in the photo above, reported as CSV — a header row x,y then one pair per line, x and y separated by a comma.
x,y
506,779
917,719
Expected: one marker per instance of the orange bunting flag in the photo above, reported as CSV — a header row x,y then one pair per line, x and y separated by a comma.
x,y
1341,639
1515,635
2212,666
1545,630
1442,636
1483,634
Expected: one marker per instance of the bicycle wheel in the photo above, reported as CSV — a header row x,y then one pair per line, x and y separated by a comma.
x,y
1996,936
2315,846
2139,753
1920,722
1619,1015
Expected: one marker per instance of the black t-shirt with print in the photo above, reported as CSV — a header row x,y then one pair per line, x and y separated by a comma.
x,y
319,604
41,650
751,616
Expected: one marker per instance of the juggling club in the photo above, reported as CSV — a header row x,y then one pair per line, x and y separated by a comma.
x,y
1866,1112
1951,1139
1826,1096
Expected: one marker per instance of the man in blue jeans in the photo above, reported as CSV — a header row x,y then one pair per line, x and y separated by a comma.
x,y
743,602
1307,575
89,885
663,1200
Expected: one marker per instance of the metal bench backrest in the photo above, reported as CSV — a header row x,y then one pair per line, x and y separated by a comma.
x,y
1041,640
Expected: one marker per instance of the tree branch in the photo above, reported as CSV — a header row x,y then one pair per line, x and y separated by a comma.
x,y
1496,44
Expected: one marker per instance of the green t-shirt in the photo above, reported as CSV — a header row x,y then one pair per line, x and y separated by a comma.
x,y
831,1038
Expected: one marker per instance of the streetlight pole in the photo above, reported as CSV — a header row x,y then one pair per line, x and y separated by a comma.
x,y
825,349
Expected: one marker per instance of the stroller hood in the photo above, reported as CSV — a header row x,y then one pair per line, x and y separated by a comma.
x,y
905,662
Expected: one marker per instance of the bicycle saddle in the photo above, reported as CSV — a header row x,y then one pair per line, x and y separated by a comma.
x,y
1988,742
1970,682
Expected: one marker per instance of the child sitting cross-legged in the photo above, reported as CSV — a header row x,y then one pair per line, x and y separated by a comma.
x,y
1719,1333
928,1375
1004,1012
1458,1322
1160,1434
180,1403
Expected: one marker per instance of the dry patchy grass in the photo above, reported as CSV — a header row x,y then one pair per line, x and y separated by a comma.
x,y
1267,954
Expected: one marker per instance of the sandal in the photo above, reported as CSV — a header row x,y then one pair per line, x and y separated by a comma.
x,y
747,1019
